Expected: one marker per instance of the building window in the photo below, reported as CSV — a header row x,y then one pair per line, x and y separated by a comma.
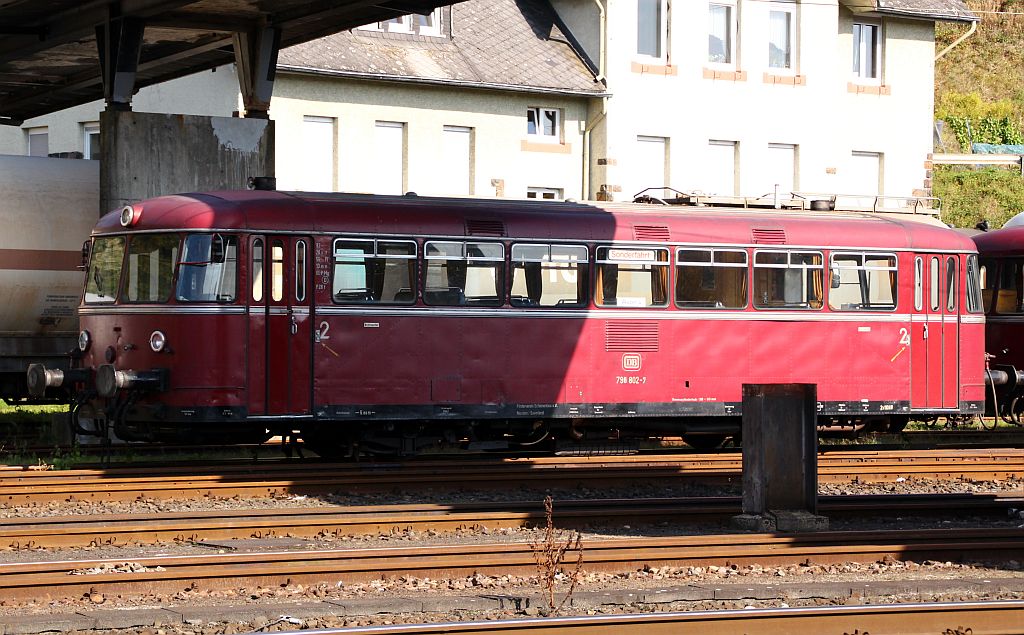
x,y
651,32
543,124
781,169
866,174
38,142
722,33
549,193
720,165
427,24
651,165
91,140
781,40
318,156
388,158
867,51
456,179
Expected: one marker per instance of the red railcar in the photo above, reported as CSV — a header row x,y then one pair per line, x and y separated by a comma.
x,y
1002,283
399,321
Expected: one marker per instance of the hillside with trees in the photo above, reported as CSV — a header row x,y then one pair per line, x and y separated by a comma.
x,y
979,97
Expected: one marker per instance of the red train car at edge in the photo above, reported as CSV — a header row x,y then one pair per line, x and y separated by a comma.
x,y
396,323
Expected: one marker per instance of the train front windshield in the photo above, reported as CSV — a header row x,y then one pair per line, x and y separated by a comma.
x,y
144,268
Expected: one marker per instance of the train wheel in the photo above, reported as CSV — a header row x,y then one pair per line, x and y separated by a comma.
x,y
704,442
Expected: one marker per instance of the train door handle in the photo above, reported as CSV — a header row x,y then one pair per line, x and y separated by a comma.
x,y
925,332
295,325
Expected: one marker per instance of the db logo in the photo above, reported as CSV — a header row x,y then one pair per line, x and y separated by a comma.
x,y
631,361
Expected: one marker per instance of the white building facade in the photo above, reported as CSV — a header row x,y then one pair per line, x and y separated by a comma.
x,y
590,99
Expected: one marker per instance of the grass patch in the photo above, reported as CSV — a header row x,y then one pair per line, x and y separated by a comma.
x,y
971,195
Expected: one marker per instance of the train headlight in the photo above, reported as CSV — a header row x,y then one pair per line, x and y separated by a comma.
x,y
84,339
130,215
157,341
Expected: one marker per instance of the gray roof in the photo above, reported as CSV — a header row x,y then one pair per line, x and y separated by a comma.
x,y
503,44
945,10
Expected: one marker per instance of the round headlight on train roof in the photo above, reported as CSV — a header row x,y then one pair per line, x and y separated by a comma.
x,y
157,341
84,339
130,215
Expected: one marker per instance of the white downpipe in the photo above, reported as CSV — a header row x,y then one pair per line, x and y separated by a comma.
x,y
956,42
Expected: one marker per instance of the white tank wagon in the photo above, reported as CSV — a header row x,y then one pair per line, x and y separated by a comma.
x,y
47,209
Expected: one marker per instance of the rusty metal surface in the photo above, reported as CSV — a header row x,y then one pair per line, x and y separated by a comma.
x,y
208,571
82,531
195,481
976,618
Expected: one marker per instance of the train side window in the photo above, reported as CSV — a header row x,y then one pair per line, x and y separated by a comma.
x,y
632,276
1008,296
986,272
711,278
951,283
933,281
863,282
549,275
374,271
300,271
257,270
104,270
464,274
918,284
276,270
974,301
788,280
150,267
208,268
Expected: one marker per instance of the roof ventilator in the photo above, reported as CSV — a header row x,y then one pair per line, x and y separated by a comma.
x,y
651,232
476,227
762,236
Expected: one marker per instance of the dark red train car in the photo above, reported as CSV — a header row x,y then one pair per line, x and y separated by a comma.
x,y
1001,255
394,322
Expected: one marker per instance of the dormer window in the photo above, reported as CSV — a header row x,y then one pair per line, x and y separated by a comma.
x,y
427,24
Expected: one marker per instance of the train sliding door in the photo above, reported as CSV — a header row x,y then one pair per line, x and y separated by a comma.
x,y
935,333
280,335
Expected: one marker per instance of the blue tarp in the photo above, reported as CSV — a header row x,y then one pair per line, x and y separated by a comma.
x,y
996,148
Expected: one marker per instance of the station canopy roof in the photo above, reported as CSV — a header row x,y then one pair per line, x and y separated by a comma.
x,y
49,59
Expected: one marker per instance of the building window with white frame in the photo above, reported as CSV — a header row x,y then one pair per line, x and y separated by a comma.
x,y
318,157
548,193
866,174
781,169
722,33
651,28
389,156
867,51
651,163
721,168
39,142
456,179
427,24
782,37
543,124
91,140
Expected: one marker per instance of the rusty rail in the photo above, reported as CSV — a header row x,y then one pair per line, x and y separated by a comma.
x,y
193,526
977,618
207,571
27,486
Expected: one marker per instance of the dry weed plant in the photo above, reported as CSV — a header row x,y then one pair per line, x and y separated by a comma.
x,y
550,555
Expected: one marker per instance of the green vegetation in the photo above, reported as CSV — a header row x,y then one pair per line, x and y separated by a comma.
x,y
980,95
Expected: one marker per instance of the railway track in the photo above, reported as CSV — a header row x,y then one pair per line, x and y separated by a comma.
x,y
976,618
23,486
170,574
196,526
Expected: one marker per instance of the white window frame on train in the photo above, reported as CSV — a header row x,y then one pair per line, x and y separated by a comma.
x,y
477,268
218,266
142,284
619,255
864,275
795,271
374,249
102,267
554,264
713,274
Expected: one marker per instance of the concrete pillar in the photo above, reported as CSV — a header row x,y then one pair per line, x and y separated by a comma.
x,y
780,458
148,154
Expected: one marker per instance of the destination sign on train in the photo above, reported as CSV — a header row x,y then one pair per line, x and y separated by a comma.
x,y
632,254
